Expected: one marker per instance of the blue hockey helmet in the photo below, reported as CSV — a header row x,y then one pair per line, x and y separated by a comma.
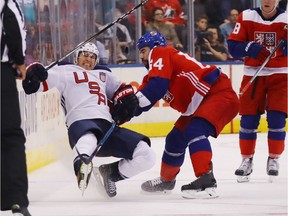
x,y
151,39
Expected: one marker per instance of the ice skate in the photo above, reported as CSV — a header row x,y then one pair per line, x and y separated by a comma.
x,y
99,182
109,185
20,211
83,172
202,188
158,185
244,171
272,168
109,174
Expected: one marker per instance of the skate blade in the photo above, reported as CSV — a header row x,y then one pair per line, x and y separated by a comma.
x,y
85,169
99,182
156,192
242,179
271,178
208,193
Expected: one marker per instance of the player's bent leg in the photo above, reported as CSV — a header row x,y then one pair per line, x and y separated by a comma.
x,y
172,159
84,147
143,159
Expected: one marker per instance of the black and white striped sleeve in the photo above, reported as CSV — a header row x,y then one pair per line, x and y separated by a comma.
x,y
13,33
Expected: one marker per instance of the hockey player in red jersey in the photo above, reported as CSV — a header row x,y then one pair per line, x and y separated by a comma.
x,y
204,96
85,89
256,33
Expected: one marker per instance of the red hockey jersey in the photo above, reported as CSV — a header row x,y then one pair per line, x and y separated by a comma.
x,y
189,80
252,27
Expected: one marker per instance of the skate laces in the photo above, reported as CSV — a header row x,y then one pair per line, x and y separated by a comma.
x,y
111,186
246,164
156,181
273,163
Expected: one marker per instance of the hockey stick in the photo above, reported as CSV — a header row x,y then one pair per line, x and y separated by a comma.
x,y
88,160
260,69
99,146
95,35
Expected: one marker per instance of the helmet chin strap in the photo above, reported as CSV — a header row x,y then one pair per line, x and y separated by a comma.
x,y
274,8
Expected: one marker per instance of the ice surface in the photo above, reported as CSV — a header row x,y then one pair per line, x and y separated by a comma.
x,y
53,189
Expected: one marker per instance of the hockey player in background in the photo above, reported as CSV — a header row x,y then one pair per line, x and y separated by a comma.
x,y
204,96
256,33
85,89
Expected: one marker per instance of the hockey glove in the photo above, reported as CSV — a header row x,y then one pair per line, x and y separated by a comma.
x,y
125,104
284,48
36,73
256,51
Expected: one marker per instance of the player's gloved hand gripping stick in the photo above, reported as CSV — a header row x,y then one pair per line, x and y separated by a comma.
x,y
125,105
260,68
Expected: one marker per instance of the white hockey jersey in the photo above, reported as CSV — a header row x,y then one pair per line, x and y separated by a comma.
x,y
84,93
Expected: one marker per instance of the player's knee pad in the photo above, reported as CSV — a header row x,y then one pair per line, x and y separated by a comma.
x,y
276,119
198,127
250,121
175,147
276,125
248,127
197,133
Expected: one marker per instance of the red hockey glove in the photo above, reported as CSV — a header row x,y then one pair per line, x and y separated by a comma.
x,y
284,48
126,103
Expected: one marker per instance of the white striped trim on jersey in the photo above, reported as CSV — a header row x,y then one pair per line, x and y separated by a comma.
x,y
16,9
201,87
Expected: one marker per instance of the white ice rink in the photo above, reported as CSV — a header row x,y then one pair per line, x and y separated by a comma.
x,y
53,190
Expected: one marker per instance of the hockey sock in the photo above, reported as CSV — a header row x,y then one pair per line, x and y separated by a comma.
x,y
276,132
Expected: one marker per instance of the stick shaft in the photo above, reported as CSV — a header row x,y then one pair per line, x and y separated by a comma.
x,y
245,88
99,146
95,35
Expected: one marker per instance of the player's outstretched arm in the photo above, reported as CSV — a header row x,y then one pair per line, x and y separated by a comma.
x,y
36,73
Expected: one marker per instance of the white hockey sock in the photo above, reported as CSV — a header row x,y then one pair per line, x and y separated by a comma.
x,y
143,159
86,144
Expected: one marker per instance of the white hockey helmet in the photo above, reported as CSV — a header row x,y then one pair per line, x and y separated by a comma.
x,y
88,47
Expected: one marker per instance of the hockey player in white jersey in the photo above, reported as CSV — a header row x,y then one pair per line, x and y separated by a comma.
x,y
85,90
